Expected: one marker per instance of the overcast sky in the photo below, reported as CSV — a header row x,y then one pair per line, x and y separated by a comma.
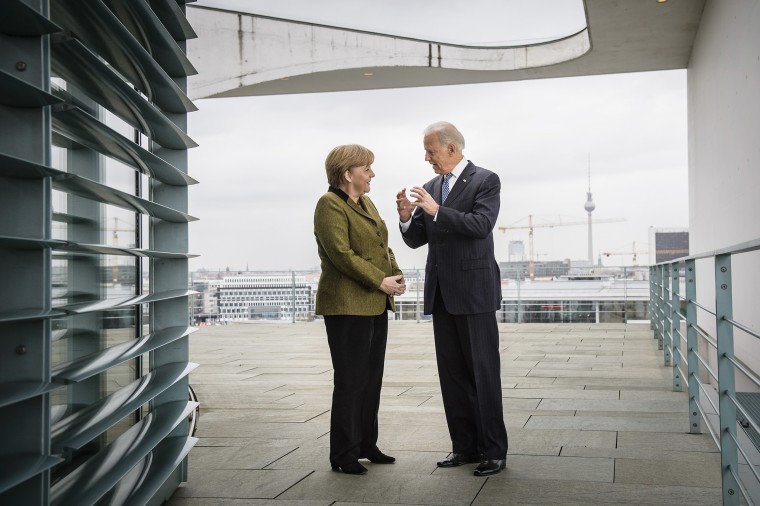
x,y
260,162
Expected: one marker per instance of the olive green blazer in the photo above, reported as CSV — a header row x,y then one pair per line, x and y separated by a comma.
x,y
352,241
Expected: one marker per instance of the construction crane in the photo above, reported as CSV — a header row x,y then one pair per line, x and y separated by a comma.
x,y
115,275
116,230
633,253
530,226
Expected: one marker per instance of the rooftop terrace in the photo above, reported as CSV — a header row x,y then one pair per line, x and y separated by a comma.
x,y
589,409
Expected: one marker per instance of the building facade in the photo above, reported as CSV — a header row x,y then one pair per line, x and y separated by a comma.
x,y
94,367
265,297
668,244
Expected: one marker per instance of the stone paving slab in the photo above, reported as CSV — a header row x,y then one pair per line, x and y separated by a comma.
x,y
244,484
218,501
664,457
611,423
702,443
395,489
220,427
652,395
630,382
254,415
562,468
559,438
674,406
688,473
517,492
559,392
250,456
590,411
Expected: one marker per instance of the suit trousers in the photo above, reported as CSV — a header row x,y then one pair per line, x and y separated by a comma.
x,y
357,347
469,369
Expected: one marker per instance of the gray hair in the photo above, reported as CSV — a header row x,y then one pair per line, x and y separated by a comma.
x,y
447,134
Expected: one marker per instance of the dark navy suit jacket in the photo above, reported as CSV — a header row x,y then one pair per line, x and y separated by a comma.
x,y
461,258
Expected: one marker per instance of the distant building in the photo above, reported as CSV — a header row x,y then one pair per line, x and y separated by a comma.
x,y
544,269
206,302
516,251
668,244
608,296
265,296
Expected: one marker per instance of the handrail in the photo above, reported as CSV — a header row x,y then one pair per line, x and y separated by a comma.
x,y
666,315
749,374
707,367
742,247
706,336
702,307
743,327
709,400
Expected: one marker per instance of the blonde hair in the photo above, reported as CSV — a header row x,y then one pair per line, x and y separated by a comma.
x,y
346,157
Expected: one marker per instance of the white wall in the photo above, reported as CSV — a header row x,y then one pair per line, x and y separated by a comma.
x,y
724,156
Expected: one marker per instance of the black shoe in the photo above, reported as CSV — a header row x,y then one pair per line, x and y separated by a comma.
x,y
460,459
489,467
379,457
350,468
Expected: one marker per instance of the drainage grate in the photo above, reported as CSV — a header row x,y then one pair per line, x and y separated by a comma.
x,y
750,401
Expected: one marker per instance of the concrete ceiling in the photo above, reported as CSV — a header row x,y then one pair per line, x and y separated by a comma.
x,y
625,36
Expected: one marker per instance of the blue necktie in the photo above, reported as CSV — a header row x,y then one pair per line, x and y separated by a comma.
x,y
445,189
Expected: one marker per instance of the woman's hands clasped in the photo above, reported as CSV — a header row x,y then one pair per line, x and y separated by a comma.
x,y
393,285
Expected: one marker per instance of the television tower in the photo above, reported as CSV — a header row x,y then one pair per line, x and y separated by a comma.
x,y
589,207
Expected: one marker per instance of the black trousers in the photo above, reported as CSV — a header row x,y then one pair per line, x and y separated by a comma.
x,y
357,347
469,369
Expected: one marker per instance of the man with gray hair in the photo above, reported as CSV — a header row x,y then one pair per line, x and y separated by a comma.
x,y
455,214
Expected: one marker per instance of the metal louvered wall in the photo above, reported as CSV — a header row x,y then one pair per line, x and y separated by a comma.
x,y
94,354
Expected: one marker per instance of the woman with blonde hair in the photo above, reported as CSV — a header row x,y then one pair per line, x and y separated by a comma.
x,y
358,281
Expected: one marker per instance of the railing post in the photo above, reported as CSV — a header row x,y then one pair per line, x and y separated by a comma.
x,y
417,294
656,303
625,294
293,277
660,311
666,310
726,378
519,302
692,346
675,317
652,300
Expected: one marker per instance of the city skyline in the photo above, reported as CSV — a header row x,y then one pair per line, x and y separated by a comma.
x,y
261,179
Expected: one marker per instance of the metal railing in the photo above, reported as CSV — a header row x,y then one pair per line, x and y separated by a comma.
x,y
677,318
293,300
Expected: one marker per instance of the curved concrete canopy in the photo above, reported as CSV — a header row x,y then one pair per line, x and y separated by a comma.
x,y
243,55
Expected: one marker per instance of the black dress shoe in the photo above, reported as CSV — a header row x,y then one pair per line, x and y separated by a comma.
x,y
379,457
350,468
489,467
460,459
